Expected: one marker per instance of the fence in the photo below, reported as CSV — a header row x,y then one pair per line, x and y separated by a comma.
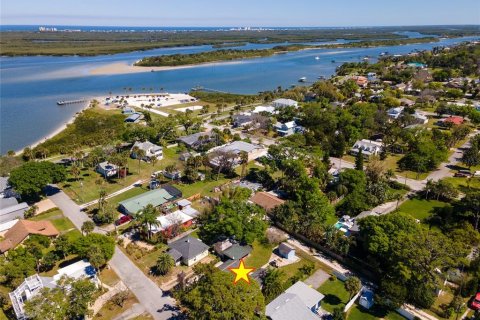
x,y
351,262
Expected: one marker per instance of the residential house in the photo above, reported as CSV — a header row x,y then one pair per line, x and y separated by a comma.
x,y
394,113
266,200
196,140
281,103
420,117
107,169
288,128
242,120
155,197
187,250
8,202
368,147
23,229
451,121
423,75
366,298
297,302
407,102
230,249
32,285
134,118
235,148
150,150
371,76
266,109
361,81
5,188
172,175
286,251
168,224
128,110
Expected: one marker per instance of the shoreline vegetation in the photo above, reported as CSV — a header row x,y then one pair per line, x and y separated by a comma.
x,y
236,54
99,43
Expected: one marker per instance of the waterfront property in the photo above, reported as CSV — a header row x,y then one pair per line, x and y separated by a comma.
x,y
187,250
297,302
33,284
155,197
23,229
368,147
149,149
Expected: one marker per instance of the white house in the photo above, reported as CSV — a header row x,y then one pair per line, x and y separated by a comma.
x,y
107,169
394,113
150,150
267,109
187,250
297,302
280,103
33,284
368,147
287,128
236,147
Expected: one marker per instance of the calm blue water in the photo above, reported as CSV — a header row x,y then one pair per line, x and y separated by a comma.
x,y
30,86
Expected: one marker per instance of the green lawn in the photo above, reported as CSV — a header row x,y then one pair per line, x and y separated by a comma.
x,y
259,255
465,185
205,188
128,194
291,269
359,313
93,182
421,209
335,295
56,217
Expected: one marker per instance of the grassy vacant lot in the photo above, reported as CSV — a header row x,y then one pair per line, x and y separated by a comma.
x,y
465,185
335,294
56,217
421,209
260,255
291,269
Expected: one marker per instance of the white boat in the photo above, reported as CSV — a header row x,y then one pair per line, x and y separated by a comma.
x,y
317,58
302,79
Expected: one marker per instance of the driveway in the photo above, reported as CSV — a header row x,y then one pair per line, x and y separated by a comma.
x,y
317,279
150,296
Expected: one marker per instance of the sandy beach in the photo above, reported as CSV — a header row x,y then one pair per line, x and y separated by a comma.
x,y
123,67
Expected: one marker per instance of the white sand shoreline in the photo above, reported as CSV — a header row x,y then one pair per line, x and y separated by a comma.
x,y
125,68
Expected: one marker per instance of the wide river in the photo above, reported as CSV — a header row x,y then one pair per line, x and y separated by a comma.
x,y
30,86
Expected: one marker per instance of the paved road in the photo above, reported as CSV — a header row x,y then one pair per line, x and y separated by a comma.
x,y
150,296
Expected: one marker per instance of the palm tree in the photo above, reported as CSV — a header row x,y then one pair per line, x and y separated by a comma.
x,y
154,160
146,218
243,161
75,171
164,264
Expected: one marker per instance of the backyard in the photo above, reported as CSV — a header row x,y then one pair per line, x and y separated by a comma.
x,y
56,217
259,256
420,208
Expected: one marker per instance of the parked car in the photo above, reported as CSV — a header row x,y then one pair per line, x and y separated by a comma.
x,y
123,219
463,173
475,304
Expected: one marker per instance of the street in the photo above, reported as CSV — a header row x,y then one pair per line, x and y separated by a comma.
x,y
149,295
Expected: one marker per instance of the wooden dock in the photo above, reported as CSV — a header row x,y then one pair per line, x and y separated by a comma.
x,y
65,102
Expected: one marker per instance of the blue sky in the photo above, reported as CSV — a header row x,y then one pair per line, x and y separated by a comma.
x,y
239,12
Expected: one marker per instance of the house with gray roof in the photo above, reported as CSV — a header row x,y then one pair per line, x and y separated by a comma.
x,y
13,212
4,187
150,150
196,140
235,148
297,302
187,250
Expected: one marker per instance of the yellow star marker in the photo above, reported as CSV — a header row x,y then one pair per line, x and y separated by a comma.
x,y
241,273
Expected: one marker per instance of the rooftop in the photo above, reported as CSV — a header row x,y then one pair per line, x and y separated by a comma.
x,y
266,200
189,247
24,228
155,197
